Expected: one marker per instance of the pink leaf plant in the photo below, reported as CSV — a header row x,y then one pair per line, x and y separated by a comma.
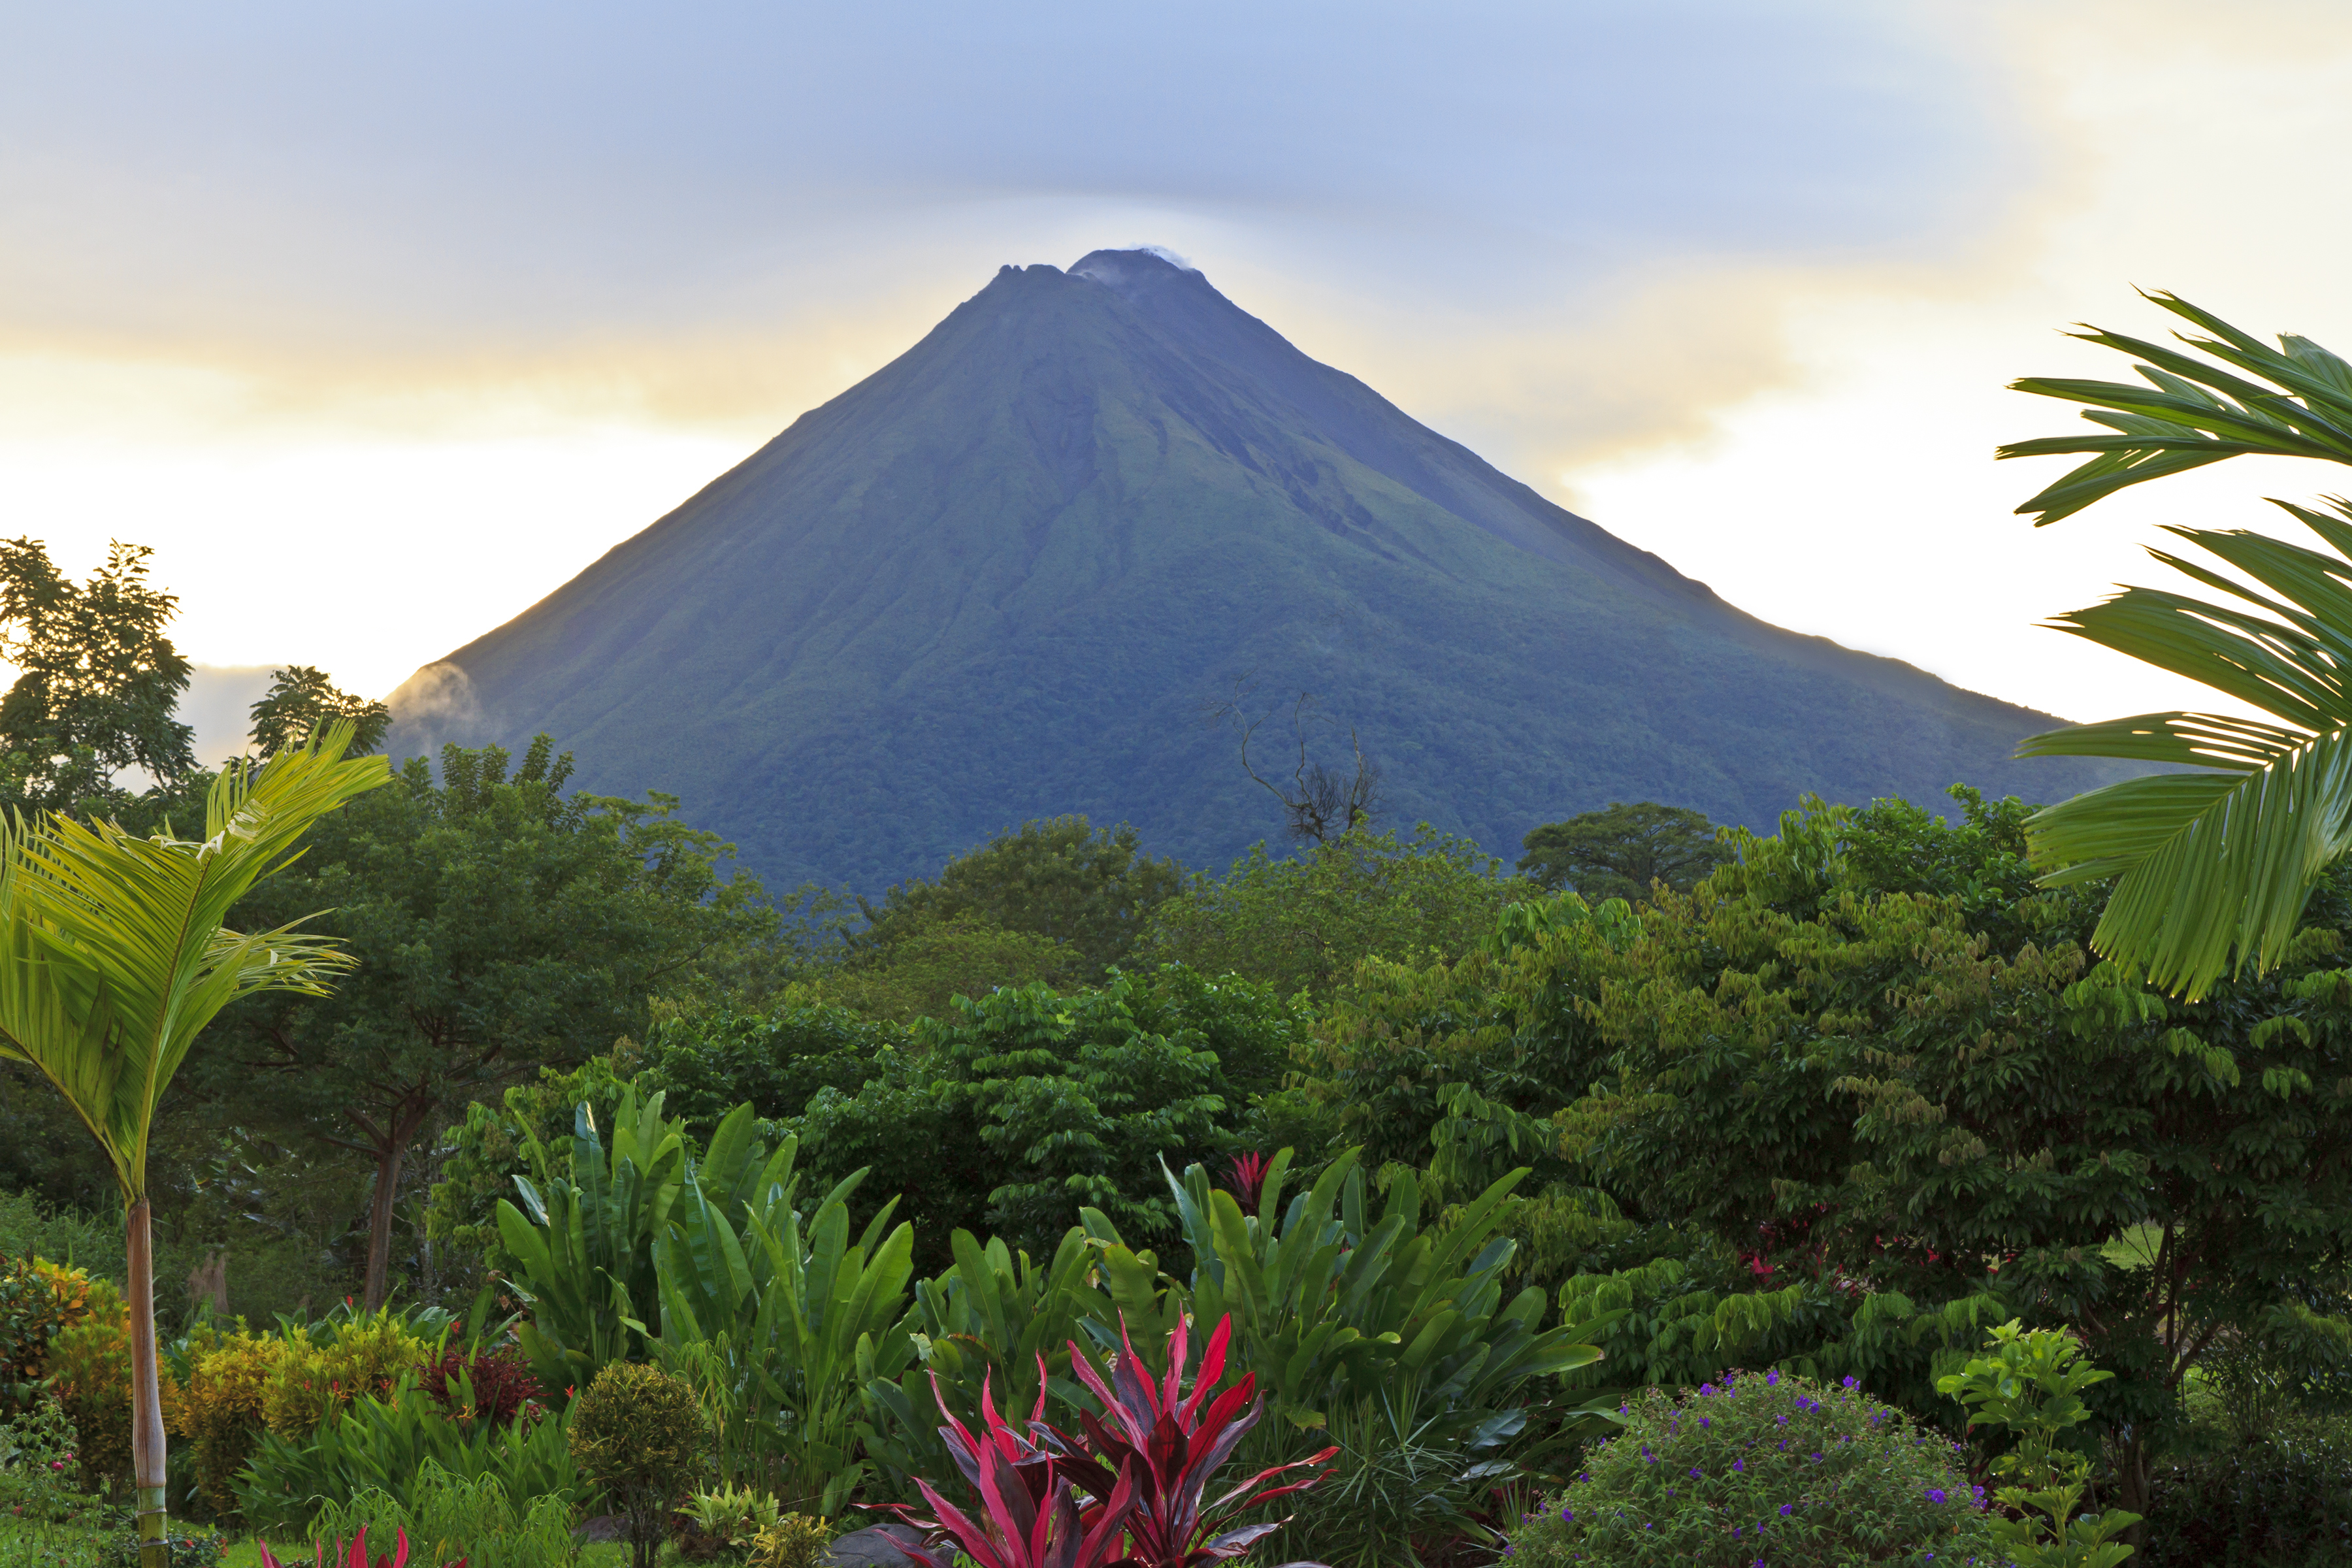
x,y
1129,1491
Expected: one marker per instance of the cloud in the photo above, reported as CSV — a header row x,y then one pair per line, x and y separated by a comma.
x,y
438,697
219,705
722,216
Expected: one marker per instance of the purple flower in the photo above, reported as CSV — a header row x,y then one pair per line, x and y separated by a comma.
x,y
1704,1389
1772,1380
1850,1382
1935,1494
1705,1422
1739,1464
1787,1509
1566,1514
1696,1474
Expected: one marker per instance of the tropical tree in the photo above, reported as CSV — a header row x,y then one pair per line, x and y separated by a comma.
x,y
97,683
1617,853
2221,860
114,956
302,698
503,926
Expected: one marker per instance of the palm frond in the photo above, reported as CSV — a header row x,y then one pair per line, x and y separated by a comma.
x,y
114,951
2192,412
2221,861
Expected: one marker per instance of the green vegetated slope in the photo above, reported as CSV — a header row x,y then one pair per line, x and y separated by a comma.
x,y
1000,577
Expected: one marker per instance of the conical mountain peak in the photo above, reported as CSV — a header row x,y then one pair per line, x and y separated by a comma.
x,y
1002,577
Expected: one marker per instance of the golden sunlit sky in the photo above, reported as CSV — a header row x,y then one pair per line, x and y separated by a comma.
x,y
380,323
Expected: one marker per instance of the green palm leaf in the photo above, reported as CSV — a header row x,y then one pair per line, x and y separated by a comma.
x,y
2213,867
113,950
2196,414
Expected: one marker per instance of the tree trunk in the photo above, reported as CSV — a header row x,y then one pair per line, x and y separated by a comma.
x,y
2132,1487
387,1191
146,1395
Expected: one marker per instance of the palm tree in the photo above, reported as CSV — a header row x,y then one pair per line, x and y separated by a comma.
x,y
113,957
2220,860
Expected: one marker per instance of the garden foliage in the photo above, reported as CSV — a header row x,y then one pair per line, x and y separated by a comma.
x,y
638,1434
1767,1467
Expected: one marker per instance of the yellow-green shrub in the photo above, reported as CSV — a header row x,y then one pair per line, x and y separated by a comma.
x,y
37,1300
366,1355
638,1433
230,1377
796,1540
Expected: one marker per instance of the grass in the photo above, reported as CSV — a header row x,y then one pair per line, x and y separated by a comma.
x,y
72,1546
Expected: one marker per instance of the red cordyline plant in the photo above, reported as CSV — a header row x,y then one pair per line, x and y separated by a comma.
x,y
355,1556
1142,1470
496,1386
1245,1174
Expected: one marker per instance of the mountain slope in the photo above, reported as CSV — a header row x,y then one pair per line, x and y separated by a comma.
x,y
1001,578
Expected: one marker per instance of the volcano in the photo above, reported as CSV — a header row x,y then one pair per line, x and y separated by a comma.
x,y
1006,575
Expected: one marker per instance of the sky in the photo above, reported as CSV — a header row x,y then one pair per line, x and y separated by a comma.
x,y
379,323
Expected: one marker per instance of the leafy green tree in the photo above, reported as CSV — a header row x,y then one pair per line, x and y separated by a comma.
x,y
97,683
921,972
1304,922
2211,867
503,925
709,1060
1866,1092
1617,853
1880,1092
301,698
1018,1108
118,956
1091,889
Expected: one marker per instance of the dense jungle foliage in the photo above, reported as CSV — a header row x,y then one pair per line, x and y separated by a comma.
x,y
1466,1160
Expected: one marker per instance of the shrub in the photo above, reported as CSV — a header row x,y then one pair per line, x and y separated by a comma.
x,y
727,1522
1763,1467
37,1300
229,1381
361,1355
2285,1499
40,1468
638,1433
796,1540
28,1317
89,1372
494,1386
1144,1467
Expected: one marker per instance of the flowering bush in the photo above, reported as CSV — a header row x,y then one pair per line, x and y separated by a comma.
x,y
40,1469
1763,1468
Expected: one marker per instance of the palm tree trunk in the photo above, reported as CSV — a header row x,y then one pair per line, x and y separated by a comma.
x,y
146,1395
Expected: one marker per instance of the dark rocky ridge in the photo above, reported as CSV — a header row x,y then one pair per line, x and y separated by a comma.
x,y
999,578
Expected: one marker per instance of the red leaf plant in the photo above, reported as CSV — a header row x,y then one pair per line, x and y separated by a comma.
x,y
1245,1175
355,1556
1135,1478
